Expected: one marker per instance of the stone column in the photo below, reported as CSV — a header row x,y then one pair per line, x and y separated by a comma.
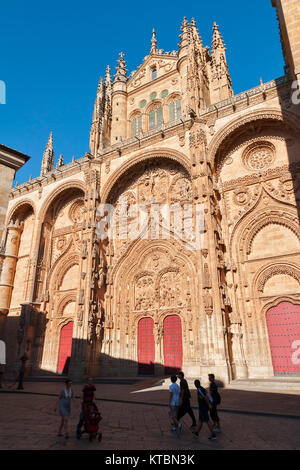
x,y
239,365
80,339
211,288
9,266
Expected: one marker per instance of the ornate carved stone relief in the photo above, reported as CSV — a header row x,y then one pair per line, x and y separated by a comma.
x,y
274,270
152,182
259,155
76,211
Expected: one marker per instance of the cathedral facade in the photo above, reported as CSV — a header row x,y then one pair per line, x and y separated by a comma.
x,y
172,132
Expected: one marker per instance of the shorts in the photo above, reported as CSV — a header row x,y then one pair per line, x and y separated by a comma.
x,y
214,414
203,416
173,411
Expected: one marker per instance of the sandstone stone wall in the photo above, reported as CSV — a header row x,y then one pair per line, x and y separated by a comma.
x,y
6,178
238,158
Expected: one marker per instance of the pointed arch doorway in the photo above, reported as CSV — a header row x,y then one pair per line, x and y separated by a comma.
x,y
172,344
65,348
146,347
283,322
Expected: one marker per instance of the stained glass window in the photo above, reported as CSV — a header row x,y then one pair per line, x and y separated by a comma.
x,y
164,93
136,126
172,111
178,108
175,110
155,117
151,119
159,116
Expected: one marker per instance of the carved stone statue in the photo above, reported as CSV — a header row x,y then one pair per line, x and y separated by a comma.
x,y
158,334
81,297
206,276
101,279
208,302
84,249
98,329
80,315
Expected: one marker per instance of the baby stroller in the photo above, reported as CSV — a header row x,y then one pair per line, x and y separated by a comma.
x,y
92,417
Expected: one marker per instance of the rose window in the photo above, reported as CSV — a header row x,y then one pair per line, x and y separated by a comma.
x,y
259,156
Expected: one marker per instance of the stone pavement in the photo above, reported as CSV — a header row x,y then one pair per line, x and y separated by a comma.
x,y
139,421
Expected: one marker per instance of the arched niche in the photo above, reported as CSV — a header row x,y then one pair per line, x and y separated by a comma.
x,y
68,278
273,240
61,218
24,217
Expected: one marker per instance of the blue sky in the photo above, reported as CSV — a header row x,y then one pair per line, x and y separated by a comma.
x,y
52,54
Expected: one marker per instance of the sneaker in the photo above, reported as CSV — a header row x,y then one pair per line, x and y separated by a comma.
x,y
217,429
213,437
173,429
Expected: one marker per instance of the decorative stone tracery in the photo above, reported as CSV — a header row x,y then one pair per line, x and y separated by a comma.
x,y
259,155
277,269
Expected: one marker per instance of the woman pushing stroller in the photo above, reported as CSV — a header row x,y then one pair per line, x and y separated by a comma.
x,y
89,415
91,419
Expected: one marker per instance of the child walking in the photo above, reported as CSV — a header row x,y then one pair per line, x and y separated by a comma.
x,y
174,403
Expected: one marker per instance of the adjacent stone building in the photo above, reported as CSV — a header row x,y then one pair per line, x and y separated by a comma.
x,y
173,132
10,162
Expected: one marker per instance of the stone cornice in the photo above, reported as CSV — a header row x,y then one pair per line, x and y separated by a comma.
x,y
269,174
12,158
109,153
144,140
243,100
55,175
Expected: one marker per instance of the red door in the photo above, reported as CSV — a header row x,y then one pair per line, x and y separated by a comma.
x,y
65,348
146,347
283,323
172,344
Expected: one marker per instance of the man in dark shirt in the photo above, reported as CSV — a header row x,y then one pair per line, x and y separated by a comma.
x,y
185,396
88,392
204,405
213,390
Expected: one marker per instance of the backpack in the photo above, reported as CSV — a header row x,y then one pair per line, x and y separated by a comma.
x,y
217,398
201,395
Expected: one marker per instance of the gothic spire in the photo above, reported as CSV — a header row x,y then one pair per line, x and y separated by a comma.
x,y
107,88
184,36
194,35
107,79
98,101
100,87
217,42
219,68
121,72
153,49
48,157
